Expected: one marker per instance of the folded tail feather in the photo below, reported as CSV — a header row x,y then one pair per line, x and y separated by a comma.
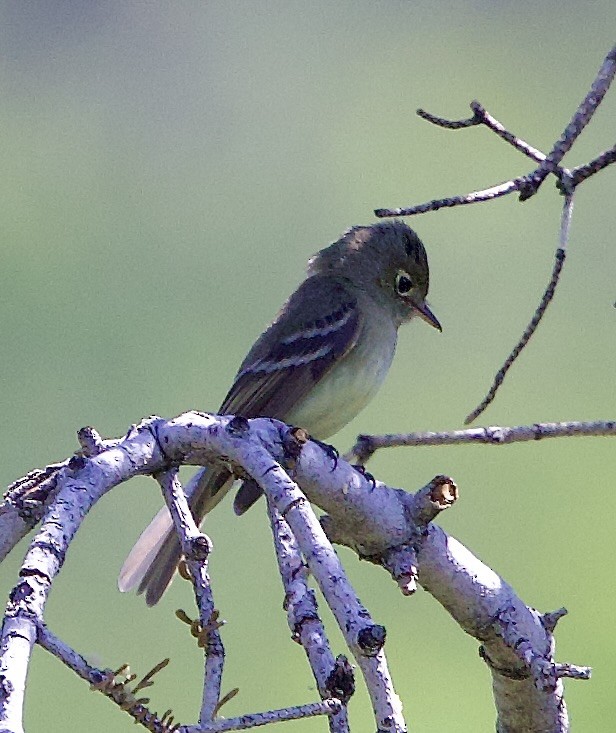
x,y
246,496
151,564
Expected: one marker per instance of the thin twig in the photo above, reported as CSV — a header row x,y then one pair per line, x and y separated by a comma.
x,y
110,683
304,621
476,197
493,124
244,722
480,117
559,261
450,124
582,172
527,186
580,119
196,548
573,671
550,163
367,445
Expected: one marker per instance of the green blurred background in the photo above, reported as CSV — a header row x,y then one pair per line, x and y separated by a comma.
x,y
167,169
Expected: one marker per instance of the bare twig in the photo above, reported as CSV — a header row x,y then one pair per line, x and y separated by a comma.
x,y
450,124
493,124
580,119
546,298
582,172
476,197
196,548
304,622
367,445
482,117
245,722
400,560
528,185
114,685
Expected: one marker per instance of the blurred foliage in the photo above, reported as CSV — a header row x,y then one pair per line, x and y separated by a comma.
x,y
167,171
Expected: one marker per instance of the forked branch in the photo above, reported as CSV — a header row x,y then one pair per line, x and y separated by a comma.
x,y
389,527
566,180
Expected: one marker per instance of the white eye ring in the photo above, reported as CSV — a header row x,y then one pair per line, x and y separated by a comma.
x,y
404,284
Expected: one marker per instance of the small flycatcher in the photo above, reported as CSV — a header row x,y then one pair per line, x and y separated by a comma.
x,y
316,366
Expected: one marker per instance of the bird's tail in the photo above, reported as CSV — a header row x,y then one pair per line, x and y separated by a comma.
x,y
152,562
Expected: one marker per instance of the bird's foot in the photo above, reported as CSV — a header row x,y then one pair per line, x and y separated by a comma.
x,y
366,474
329,450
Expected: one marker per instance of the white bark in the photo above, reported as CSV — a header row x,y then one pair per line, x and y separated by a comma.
x,y
388,526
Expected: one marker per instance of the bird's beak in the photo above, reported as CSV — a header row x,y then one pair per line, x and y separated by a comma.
x,y
426,315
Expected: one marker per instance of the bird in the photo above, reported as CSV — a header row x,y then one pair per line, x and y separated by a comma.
x,y
316,366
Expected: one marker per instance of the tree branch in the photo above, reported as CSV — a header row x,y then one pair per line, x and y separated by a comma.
x,y
334,677
366,445
388,526
196,548
528,185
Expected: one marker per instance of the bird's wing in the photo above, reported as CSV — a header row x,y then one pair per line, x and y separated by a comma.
x,y
318,326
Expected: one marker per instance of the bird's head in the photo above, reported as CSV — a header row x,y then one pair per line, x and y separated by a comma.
x,y
387,260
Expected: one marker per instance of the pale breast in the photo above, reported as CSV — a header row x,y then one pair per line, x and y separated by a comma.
x,y
344,391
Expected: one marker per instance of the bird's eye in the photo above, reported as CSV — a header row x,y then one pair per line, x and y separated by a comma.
x,y
404,284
